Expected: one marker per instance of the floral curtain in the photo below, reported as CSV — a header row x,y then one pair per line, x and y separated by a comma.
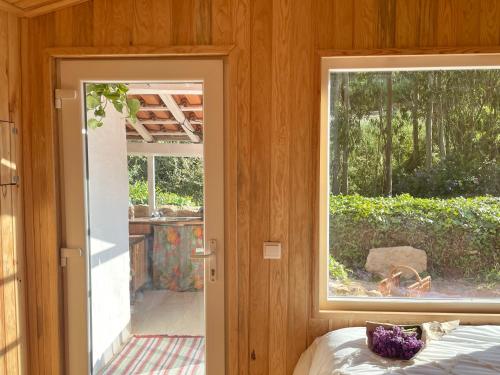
x,y
173,268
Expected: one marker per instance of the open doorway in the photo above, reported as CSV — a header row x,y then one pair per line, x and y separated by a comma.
x,y
154,134
151,196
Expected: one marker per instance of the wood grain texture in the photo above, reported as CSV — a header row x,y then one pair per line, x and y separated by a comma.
x,y
280,132
272,75
12,344
260,140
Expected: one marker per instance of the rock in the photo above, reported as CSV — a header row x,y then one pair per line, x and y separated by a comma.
x,y
374,293
380,260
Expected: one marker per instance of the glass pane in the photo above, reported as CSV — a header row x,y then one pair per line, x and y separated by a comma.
x,y
145,203
414,184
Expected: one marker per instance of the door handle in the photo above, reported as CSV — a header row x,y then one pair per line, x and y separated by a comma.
x,y
211,255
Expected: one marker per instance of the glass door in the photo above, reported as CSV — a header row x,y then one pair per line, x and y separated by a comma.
x,y
142,202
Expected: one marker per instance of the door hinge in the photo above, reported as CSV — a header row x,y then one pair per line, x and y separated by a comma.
x,y
69,253
63,94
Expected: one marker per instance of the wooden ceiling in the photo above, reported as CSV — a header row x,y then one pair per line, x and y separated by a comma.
x,y
33,8
168,112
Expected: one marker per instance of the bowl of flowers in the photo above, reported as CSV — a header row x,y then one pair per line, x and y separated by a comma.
x,y
394,341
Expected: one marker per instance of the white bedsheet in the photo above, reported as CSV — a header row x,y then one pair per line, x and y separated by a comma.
x,y
466,351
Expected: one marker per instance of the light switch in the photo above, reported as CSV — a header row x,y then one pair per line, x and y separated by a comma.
x,y
272,250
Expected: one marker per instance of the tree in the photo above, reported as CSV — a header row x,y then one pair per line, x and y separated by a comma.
x,y
344,188
388,139
439,118
335,125
428,123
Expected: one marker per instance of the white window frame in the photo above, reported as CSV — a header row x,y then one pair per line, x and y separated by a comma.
x,y
362,306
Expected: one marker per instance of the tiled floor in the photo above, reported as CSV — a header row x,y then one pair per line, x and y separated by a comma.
x,y
163,312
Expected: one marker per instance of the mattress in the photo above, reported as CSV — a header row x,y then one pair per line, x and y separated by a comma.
x,y
468,350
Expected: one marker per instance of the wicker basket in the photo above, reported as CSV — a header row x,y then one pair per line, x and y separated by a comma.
x,y
391,286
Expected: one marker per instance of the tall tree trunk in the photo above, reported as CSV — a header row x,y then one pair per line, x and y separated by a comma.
x,y
440,119
335,118
344,188
388,140
428,123
414,118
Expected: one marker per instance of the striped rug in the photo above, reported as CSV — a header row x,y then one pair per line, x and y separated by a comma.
x,y
158,355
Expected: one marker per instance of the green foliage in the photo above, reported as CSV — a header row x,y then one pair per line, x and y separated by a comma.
x,y
465,136
337,270
165,198
138,194
99,95
178,175
459,235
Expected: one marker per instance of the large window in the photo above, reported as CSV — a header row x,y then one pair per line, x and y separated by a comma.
x,y
410,183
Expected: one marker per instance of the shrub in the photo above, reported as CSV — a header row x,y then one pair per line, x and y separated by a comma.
x,y
138,194
459,235
337,270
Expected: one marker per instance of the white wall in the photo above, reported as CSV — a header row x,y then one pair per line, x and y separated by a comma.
x,y
110,264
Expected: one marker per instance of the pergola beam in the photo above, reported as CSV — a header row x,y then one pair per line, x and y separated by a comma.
x,y
170,89
164,133
156,108
179,116
141,129
165,149
167,122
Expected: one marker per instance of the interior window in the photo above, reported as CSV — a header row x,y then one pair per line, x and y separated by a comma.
x,y
413,184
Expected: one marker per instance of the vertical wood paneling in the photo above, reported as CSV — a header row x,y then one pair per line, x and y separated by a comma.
x,y
438,30
183,27
10,247
271,145
203,21
152,20
467,20
113,22
427,27
242,38
490,19
260,140
387,23
301,108
407,30
279,154
82,28
4,79
366,24
222,22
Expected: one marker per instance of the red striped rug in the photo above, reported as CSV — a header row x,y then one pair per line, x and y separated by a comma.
x,y
155,355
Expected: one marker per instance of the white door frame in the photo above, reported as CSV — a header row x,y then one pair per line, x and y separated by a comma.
x,y
72,74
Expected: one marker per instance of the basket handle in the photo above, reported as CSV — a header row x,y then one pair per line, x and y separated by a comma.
x,y
399,266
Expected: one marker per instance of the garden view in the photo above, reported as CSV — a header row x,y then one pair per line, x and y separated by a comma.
x,y
179,181
415,181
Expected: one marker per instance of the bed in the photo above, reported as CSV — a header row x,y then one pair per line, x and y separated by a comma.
x,y
468,350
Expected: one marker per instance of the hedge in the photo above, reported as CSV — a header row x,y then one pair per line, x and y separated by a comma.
x,y
459,235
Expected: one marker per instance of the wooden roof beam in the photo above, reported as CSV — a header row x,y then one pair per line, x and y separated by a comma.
x,y
155,108
141,129
179,116
170,89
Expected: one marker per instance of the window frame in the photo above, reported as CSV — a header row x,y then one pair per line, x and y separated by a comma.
x,y
383,60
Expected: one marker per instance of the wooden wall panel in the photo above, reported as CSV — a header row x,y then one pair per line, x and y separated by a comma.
x,y
12,342
271,144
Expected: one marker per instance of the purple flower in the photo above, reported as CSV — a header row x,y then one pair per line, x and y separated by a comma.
x,y
396,343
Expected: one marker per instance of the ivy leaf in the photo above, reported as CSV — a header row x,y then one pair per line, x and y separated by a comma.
x,y
118,106
93,123
92,102
133,107
99,112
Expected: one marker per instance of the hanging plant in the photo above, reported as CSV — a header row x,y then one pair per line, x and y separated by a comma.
x,y
99,95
